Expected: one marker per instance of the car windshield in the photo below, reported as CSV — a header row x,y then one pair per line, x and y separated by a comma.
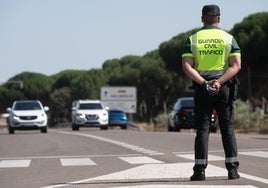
x,y
27,106
87,106
116,112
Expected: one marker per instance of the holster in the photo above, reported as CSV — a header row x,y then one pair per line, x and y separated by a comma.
x,y
233,84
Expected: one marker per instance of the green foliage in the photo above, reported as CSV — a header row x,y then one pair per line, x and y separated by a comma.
x,y
252,37
87,85
161,122
35,86
60,106
64,78
170,51
8,96
245,119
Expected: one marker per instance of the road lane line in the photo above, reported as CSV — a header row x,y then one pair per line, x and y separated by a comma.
x,y
221,150
188,186
67,156
122,144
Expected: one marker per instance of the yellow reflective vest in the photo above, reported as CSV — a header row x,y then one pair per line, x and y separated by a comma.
x,y
211,48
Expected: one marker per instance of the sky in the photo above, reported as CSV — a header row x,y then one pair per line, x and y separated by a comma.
x,y
50,36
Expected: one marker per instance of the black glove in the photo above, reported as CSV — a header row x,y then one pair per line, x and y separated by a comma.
x,y
211,90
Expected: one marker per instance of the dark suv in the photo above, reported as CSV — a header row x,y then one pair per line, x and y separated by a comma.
x,y
182,116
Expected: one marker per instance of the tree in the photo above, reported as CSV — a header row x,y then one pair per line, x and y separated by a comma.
x,y
36,86
60,106
170,51
252,37
87,85
64,78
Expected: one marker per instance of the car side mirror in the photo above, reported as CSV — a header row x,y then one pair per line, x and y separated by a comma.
x,y
107,108
8,109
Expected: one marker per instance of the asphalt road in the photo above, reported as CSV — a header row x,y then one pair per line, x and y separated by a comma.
x,y
123,158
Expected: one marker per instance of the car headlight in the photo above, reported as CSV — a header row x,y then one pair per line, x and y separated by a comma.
x,y
16,117
81,115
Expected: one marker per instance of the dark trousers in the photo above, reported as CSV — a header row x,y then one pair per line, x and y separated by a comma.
x,y
204,104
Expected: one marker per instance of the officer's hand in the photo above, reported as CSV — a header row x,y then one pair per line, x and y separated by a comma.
x,y
210,89
215,84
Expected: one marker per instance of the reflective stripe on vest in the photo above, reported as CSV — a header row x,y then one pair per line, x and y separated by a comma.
x,y
211,49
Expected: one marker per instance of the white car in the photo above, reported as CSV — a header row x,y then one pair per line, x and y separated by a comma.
x,y
27,115
89,113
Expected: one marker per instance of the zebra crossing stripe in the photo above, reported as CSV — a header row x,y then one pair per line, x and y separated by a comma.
x,y
77,162
14,163
263,154
210,157
140,160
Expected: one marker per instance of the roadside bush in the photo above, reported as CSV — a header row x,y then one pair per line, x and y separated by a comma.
x,y
160,122
247,120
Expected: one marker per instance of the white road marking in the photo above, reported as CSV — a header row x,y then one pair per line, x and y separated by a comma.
x,y
263,154
14,163
210,157
161,171
152,171
67,156
164,171
77,162
254,178
140,160
122,144
188,186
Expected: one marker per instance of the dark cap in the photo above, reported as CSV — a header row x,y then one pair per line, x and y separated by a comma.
x,y
211,10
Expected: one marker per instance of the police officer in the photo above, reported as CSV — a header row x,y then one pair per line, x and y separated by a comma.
x,y
211,58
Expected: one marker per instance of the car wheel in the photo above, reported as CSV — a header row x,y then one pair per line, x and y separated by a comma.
x,y
124,126
177,128
43,129
11,130
75,127
104,127
170,129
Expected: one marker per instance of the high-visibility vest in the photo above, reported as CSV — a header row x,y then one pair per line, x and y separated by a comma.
x,y
211,49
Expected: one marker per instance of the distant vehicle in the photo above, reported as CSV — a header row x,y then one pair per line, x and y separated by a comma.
x,y
89,113
27,115
118,118
182,116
